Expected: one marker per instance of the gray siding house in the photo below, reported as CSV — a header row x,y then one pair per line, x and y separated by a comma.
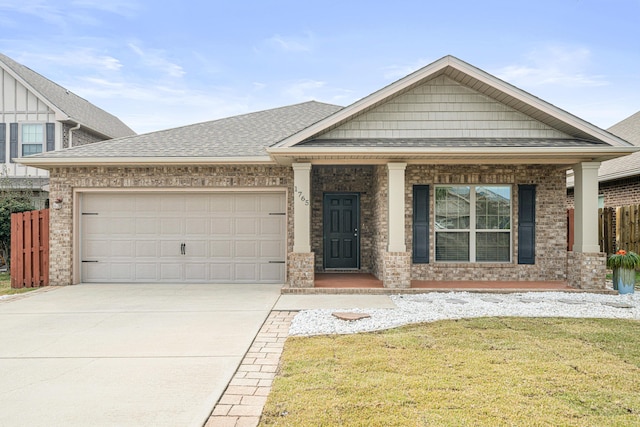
x,y
446,174
38,116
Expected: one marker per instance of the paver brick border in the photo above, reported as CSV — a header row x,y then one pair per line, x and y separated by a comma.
x,y
242,402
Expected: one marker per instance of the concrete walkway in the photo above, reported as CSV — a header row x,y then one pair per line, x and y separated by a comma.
x,y
124,355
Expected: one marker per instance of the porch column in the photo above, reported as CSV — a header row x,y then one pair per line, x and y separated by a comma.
x,y
586,267
396,207
586,207
301,207
301,264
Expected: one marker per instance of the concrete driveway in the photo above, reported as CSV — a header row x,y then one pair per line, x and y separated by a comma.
x,y
124,355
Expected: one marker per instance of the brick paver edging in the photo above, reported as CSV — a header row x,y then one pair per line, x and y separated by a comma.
x,y
242,402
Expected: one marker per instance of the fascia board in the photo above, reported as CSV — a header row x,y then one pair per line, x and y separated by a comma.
x,y
138,161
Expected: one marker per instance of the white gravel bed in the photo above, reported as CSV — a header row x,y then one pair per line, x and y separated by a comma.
x,y
434,306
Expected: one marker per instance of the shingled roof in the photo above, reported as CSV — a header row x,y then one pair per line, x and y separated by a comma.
x,y
243,136
77,109
629,130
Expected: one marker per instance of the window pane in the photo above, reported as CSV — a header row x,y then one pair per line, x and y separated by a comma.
x,y
33,133
452,246
453,208
493,246
493,208
28,149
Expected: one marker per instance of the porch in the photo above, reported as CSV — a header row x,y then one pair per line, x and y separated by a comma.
x,y
366,283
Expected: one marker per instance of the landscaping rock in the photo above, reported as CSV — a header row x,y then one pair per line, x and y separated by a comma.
x,y
456,301
618,304
350,316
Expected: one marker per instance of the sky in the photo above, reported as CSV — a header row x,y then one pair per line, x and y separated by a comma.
x,y
163,64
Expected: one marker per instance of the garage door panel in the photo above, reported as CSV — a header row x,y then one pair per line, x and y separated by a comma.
x,y
196,272
246,227
222,249
220,272
222,227
222,203
246,203
271,226
145,226
245,272
272,249
227,237
170,249
146,271
146,249
271,273
94,271
171,226
170,272
245,249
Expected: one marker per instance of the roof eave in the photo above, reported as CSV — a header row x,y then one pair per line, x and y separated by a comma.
x,y
54,162
451,155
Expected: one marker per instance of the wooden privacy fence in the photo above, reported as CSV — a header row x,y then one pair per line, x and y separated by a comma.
x,y
618,228
30,249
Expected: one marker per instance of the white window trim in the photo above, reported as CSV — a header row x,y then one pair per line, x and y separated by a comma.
x,y
472,224
20,137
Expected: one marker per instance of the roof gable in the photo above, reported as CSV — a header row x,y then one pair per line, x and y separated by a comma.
x,y
67,105
442,108
473,80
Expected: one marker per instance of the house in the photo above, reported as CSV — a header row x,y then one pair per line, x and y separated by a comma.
x,y
447,174
38,116
618,179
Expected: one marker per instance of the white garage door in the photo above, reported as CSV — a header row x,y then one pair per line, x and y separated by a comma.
x,y
175,238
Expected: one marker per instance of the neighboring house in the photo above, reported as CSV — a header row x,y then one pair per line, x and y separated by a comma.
x,y
37,116
446,174
618,179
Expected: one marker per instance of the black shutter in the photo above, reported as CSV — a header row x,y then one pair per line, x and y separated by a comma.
x,y
420,224
3,142
526,224
13,141
51,137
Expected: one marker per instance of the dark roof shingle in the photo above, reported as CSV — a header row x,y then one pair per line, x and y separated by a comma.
x,y
78,109
246,135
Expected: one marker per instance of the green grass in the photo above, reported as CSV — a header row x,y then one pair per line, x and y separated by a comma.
x,y
479,372
5,286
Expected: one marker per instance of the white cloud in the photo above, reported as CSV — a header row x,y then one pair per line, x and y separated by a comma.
x,y
155,59
554,65
127,8
292,44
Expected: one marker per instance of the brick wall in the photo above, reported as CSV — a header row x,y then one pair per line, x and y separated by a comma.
x,y
619,192
79,137
551,255
64,180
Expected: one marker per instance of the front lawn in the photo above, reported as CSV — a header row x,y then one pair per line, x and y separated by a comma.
x,y
480,372
5,286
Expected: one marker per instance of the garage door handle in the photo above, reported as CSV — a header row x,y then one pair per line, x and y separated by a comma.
x,y
183,249
276,262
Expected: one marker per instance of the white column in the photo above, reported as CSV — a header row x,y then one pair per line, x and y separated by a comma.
x,y
586,207
396,207
301,207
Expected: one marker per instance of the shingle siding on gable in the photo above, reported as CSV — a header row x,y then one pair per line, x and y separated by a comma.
x,y
442,108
